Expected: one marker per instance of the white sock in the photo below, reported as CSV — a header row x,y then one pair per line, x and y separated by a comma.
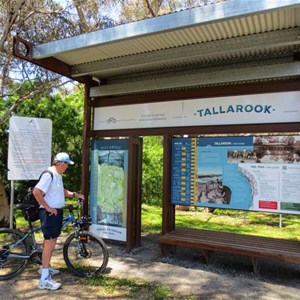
x,y
45,273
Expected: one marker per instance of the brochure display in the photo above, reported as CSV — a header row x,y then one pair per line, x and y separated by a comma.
x,y
260,173
109,169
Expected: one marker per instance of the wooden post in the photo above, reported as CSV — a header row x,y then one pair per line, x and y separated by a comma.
x,y
134,195
87,123
168,210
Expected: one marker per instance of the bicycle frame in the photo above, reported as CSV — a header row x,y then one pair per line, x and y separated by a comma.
x,y
34,245
67,220
70,218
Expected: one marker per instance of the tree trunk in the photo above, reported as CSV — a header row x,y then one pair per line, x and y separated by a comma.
x,y
4,207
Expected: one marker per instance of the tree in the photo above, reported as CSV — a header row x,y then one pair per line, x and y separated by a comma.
x,y
37,21
25,18
4,208
66,113
134,10
152,170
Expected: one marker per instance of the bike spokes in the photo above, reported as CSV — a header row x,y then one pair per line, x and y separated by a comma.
x,y
85,255
12,254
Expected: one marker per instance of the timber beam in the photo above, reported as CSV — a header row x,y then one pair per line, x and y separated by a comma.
x,y
23,50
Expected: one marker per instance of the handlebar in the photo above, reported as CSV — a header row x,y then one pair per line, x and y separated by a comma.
x,y
71,207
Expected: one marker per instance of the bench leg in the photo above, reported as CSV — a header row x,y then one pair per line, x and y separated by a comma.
x,y
208,254
167,249
255,264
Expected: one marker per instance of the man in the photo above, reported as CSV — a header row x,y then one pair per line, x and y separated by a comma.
x,y
50,193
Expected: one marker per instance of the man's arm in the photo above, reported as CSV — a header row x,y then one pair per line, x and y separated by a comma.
x,y
39,196
70,194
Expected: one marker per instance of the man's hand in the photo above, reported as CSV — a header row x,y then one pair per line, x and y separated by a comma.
x,y
80,196
52,211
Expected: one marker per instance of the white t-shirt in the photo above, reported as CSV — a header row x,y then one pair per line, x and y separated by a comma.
x,y
52,188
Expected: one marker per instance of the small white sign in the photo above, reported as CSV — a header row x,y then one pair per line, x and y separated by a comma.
x,y
29,147
109,232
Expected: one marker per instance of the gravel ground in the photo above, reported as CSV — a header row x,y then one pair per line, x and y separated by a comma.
x,y
185,273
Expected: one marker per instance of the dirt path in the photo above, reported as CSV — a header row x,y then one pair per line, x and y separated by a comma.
x,y
227,277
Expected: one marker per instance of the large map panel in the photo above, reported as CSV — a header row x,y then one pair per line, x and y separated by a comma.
x,y
109,169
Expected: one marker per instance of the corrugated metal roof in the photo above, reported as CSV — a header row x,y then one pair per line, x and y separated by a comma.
x,y
233,32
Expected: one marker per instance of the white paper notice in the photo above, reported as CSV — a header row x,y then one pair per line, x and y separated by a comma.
x,y
29,149
290,183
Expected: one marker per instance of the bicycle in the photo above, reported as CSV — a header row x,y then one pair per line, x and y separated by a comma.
x,y
84,253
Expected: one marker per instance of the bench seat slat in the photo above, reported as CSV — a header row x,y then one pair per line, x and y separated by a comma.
x,y
226,244
287,250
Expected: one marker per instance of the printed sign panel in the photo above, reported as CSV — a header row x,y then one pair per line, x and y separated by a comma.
x,y
29,147
138,115
247,109
259,173
109,173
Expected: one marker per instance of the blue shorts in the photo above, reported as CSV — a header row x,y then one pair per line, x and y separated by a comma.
x,y
51,225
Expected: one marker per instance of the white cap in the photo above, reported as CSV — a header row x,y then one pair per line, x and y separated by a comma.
x,y
63,157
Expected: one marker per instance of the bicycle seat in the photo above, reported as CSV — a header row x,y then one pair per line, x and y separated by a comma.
x,y
24,206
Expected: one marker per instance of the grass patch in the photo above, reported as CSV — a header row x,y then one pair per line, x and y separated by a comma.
x,y
242,222
151,219
127,288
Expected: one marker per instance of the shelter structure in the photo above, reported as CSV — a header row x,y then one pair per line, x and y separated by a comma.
x,y
228,49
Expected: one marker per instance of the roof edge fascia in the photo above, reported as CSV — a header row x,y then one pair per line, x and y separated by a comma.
x,y
174,21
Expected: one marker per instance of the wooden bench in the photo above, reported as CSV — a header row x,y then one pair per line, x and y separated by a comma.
x,y
253,246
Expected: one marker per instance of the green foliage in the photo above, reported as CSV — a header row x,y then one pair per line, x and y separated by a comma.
x,y
66,114
152,170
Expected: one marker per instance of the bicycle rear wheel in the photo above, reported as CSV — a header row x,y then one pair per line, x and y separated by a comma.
x,y
85,255
11,262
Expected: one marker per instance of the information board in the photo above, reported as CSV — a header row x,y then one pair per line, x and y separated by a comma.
x,y
260,173
109,173
29,147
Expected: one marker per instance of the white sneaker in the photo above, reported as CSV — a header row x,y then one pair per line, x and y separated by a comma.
x,y
52,271
48,284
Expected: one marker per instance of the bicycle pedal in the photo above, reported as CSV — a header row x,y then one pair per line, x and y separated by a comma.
x,y
35,253
38,260
36,257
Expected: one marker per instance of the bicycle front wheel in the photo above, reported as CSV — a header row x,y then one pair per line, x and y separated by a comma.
x,y
86,254
12,252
